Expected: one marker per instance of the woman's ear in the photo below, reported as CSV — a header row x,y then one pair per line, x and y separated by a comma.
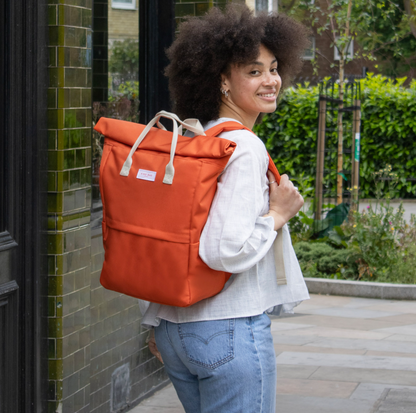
x,y
223,81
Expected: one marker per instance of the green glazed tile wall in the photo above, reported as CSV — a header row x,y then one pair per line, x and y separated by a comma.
x,y
69,204
185,8
92,331
117,339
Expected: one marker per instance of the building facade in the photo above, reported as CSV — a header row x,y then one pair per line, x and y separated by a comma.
x,y
67,344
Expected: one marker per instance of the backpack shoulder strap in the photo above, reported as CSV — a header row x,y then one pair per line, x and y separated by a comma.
x,y
230,126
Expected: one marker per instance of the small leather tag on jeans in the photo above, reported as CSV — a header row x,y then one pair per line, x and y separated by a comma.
x,y
279,262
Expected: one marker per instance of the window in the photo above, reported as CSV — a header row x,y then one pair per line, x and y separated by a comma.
x,y
350,52
124,4
310,53
266,5
115,79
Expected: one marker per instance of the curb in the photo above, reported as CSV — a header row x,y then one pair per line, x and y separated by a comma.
x,y
361,289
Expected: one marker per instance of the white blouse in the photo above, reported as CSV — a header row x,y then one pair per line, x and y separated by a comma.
x,y
238,239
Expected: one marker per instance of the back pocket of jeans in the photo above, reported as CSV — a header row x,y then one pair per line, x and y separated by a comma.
x,y
208,343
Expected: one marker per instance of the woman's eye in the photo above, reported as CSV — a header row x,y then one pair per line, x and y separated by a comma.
x,y
274,70
254,72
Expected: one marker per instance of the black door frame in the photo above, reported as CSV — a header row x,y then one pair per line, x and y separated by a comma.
x,y
156,34
23,182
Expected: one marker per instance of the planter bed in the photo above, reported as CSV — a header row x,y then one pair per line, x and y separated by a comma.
x,y
361,289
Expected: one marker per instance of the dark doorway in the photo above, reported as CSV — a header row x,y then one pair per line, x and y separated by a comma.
x,y
23,85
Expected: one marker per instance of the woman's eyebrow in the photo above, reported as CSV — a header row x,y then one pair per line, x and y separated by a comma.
x,y
261,64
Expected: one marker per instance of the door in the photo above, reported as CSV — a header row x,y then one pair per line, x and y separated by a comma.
x,y
23,358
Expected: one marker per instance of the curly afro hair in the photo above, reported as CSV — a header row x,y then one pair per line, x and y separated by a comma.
x,y
207,47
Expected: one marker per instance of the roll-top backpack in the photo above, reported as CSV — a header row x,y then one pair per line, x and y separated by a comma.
x,y
157,188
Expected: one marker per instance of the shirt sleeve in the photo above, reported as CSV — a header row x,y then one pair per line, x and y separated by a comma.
x,y
236,236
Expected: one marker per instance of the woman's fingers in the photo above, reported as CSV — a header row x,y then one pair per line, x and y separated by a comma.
x,y
151,341
285,199
272,180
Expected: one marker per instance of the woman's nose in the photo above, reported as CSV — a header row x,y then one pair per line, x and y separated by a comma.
x,y
271,79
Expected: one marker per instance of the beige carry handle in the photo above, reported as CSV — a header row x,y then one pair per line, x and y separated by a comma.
x,y
191,124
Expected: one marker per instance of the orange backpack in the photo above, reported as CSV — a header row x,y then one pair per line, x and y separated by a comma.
x,y
156,199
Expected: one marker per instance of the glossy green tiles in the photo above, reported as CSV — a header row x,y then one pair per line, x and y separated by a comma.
x,y
54,39
55,243
52,186
52,15
52,56
182,10
100,24
75,118
51,139
80,158
75,138
56,160
55,118
86,18
51,264
75,178
63,181
74,57
69,201
69,15
55,202
81,199
77,239
69,98
76,77
56,77
201,9
56,370
51,225
51,307
51,98
86,97
72,36
69,159
100,10
79,3
85,176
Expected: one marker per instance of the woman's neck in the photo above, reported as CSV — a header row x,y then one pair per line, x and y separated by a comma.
x,y
229,111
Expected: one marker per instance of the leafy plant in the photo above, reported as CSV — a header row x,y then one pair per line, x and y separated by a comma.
x,y
388,133
370,245
124,57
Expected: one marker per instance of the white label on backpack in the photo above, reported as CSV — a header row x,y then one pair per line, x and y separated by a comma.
x,y
146,175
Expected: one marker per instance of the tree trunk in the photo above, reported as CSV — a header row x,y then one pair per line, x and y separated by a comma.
x,y
342,54
340,129
410,7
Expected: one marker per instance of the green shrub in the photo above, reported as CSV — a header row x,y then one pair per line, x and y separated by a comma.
x,y
318,259
388,132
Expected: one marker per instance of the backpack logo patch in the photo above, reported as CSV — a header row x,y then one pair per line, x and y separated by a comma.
x,y
146,175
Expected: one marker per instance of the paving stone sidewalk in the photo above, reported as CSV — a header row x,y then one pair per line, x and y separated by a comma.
x,y
337,355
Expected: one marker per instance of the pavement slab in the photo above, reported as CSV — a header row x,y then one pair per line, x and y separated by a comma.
x,y
337,355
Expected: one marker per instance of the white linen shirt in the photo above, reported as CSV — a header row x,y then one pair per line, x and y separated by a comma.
x,y
237,238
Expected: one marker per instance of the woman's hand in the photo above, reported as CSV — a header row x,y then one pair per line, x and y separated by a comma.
x,y
285,200
152,345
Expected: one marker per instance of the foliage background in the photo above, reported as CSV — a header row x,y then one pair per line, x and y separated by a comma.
x,y
388,133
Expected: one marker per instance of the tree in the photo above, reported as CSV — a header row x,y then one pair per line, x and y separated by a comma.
x,y
386,30
124,58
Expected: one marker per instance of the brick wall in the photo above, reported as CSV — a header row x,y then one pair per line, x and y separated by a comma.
x,y
117,342
69,203
98,357
122,24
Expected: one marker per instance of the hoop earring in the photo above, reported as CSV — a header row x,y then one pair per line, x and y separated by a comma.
x,y
224,92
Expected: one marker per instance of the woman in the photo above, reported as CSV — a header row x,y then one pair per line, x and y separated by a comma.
x,y
219,352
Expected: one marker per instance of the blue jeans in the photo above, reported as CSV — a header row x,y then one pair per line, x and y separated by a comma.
x,y
221,366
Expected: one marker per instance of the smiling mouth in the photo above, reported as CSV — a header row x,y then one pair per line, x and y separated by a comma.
x,y
267,95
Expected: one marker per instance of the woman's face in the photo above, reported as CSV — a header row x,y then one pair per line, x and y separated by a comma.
x,y
252,88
